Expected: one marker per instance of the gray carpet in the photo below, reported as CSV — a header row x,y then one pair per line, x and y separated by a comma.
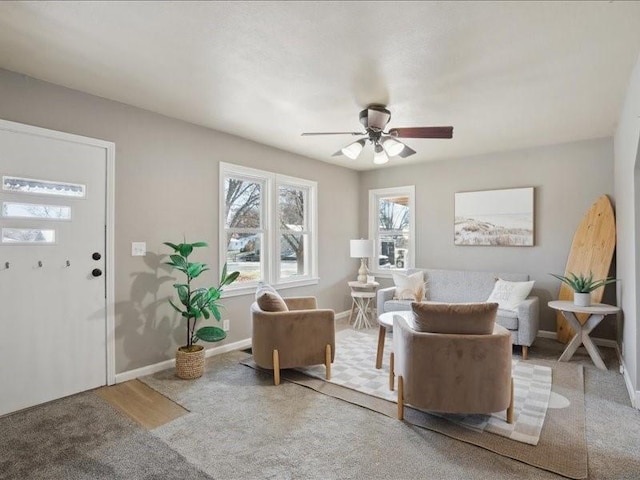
x,y
83,437
254,430
353,368
562,448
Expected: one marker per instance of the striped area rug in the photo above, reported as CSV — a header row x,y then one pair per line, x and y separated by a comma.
x,y
354,368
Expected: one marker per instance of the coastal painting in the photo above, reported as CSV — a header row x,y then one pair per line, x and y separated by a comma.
x,y
494,217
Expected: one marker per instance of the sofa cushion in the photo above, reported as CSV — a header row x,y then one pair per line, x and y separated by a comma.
x,y
507,319
269,300
397,306
458,318
457,286
408,287
509,294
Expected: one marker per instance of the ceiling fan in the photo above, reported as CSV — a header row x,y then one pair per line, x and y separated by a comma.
x,y
374,118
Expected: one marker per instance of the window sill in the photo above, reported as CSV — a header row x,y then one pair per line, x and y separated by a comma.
x,y
250,290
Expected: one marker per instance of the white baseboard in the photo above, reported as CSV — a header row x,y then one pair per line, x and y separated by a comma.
x,y
601,342
634,395
547,334
157,367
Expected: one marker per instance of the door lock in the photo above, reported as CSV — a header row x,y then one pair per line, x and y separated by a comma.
x,y
96,272
96,256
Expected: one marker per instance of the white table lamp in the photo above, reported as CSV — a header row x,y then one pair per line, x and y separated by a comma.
x,y
362,249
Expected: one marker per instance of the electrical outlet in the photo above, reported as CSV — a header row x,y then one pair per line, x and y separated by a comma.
x,y
225,325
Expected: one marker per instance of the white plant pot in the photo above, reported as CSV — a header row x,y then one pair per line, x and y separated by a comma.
x,y
581,299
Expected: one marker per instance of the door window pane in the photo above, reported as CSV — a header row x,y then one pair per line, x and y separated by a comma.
x,y
35,210
242,203
28,235
243,255
43,187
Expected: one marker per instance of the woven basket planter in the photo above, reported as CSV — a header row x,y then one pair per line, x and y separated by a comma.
x,y
190,365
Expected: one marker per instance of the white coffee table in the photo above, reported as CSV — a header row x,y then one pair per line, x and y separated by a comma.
x,y
386,321
596,313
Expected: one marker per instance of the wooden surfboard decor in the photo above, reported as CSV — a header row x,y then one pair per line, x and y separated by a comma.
x,y
591,252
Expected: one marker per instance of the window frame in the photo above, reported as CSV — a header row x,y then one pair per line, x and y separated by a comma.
x,y
374,227
270,248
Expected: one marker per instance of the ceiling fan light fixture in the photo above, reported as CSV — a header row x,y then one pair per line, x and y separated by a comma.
x,y
392,146
353,149
379,155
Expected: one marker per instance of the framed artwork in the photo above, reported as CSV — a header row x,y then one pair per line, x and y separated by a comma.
x,y
494,217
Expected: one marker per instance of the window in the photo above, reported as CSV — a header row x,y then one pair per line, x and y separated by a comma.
x,y
392,228
43,187
28,235
35,210
267,228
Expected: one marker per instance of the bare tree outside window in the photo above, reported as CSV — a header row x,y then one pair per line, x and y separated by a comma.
x,y
292,218
243,200
242,203
393,231
393,215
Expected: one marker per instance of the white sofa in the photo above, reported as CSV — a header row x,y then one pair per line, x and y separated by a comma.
x,y
457,286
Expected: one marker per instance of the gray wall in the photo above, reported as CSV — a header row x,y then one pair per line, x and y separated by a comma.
x,y
163,164
167,186
567,178
627,175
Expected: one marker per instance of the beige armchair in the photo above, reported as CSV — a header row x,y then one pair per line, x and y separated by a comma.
x,y
452,372
303,335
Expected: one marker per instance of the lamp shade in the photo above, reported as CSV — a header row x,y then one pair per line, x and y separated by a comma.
x,y
361,248
379,155
353,150
392,146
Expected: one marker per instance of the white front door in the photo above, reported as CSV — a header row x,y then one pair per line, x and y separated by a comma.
x,y
53,315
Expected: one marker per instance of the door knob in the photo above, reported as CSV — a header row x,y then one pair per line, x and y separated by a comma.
x,y
96,272
96,256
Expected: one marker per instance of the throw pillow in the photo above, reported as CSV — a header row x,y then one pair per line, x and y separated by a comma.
x,y
408,287
269,300
509,294
458,318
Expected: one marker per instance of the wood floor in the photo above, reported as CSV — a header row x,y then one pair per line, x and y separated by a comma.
x,y
142,403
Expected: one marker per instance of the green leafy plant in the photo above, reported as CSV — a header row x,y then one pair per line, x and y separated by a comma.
x,y
197,302
583,284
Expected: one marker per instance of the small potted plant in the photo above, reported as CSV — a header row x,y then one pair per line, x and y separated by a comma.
x,y
582,286
195,304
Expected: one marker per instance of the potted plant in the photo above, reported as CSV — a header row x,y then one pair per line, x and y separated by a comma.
x,y
582,286
196,303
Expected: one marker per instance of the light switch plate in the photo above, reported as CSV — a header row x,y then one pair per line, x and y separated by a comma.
x,y
138,249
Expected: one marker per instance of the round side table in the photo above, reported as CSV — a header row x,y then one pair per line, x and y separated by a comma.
x,y
363,294
385,320
596,313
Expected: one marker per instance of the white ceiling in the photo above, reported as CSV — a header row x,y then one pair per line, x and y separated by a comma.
x,y
506,75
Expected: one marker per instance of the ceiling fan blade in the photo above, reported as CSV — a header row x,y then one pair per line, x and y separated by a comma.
x,y
422,132
307,134
407,151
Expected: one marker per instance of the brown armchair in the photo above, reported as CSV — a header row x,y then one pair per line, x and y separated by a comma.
x,y
466,372
303,335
